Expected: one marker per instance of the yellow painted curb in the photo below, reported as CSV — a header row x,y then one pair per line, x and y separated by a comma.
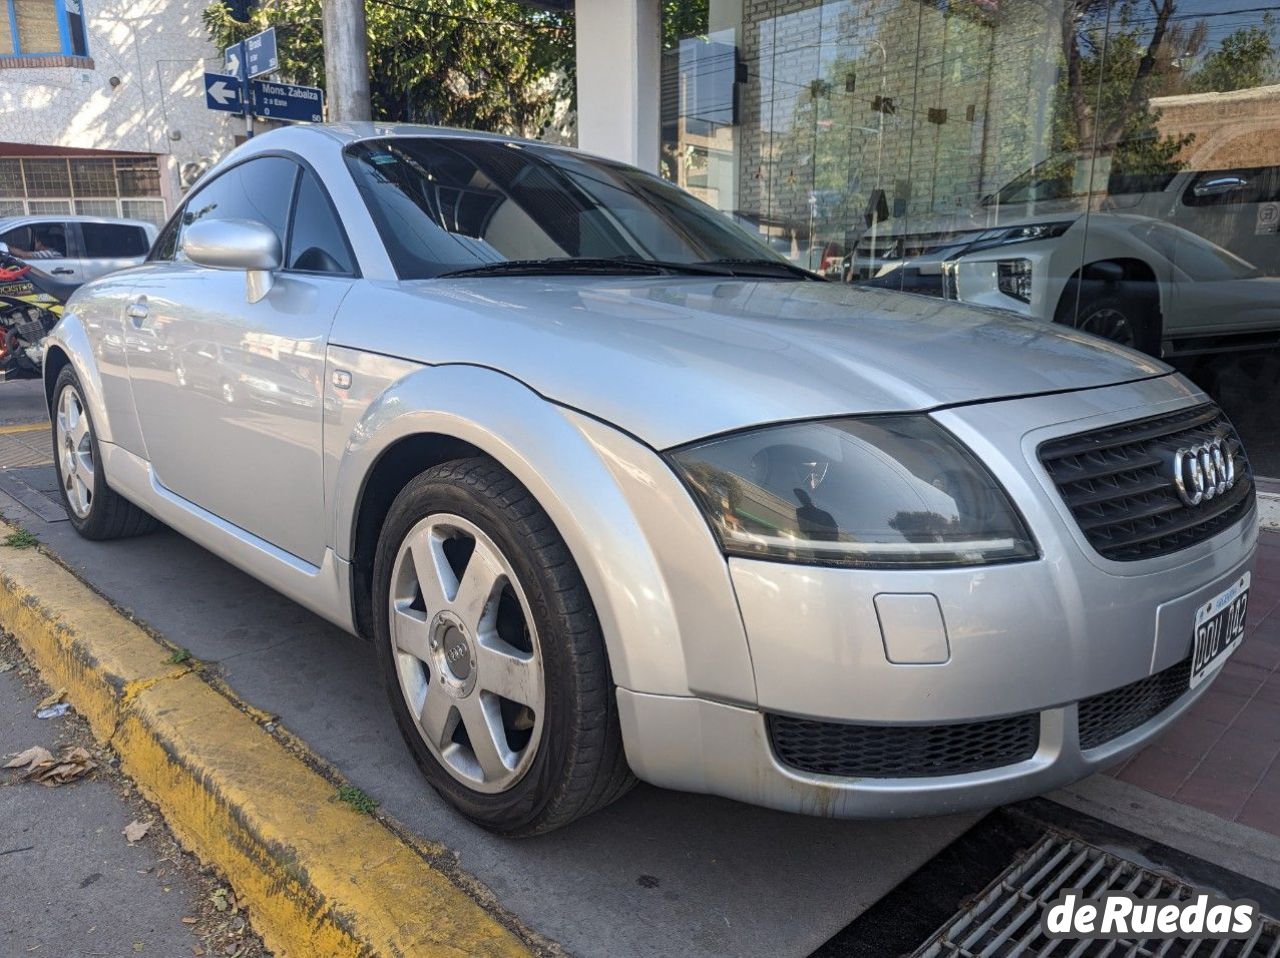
x,y
317,877
23,427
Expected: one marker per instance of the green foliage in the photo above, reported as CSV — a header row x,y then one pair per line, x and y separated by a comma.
x,y
178,657
1245,58
357,798
480,64
22,539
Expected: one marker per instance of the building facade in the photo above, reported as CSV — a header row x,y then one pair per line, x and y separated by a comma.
x,y
1111,165
102,106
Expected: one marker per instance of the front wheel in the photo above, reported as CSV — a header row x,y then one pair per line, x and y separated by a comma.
x,y
96,511
492,653
1129,319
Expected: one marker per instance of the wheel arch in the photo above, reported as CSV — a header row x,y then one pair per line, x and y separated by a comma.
x,y
1097,275
68,345
439,413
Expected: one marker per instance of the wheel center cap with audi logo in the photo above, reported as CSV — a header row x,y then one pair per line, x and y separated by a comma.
x,y
454,659
1204,471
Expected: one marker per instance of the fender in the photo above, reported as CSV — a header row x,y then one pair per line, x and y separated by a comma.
x,y
72,339
652,595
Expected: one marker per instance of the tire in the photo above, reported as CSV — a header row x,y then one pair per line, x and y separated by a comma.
x,y
559,746
1129,319
95,510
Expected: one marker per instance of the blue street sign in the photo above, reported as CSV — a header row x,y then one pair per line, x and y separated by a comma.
x,y
222,92
254,57
284,101
233,60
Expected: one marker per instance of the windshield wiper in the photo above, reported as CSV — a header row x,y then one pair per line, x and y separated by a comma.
x,y
765,267
583,265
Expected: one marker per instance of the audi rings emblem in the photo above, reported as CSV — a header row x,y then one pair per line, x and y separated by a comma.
x,y
1204,471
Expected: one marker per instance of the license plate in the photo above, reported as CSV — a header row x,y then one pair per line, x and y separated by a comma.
x,y
1219,629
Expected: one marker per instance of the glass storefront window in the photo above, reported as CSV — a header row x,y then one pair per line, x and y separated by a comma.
x,y
1112,165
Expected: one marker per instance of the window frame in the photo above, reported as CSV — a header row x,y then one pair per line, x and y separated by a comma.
x,y
174,221
66,41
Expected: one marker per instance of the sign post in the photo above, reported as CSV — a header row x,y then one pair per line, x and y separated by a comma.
x,y
237,89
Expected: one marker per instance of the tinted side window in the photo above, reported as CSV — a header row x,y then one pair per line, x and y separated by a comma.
x,y
316,242
38,237
112,240
257,190
167,243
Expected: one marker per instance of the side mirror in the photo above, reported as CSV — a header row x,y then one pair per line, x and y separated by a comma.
x,y
236,244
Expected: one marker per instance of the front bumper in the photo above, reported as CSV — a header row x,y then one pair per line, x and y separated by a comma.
x,y
696,745
1025,639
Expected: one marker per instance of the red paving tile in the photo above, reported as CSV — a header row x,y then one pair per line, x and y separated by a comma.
x,y
1223,756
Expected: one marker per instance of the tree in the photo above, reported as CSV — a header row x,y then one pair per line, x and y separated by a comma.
x,y
1244,59
480,64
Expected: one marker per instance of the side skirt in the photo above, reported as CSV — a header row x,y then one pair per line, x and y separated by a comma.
x,y
324,589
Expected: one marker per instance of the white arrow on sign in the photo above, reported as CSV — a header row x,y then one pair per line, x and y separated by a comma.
x,y
233,64
222,93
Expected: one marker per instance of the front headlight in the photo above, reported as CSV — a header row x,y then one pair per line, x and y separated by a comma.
x,y
1008,235
894,490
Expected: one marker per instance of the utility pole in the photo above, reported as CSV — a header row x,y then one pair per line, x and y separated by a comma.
x,y
346,60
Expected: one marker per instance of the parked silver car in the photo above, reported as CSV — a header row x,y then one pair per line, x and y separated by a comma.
x,y
75,249
615,490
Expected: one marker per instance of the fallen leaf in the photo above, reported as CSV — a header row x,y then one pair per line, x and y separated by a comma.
x,y
190,919
197,951
74,763
219,899
31,757
53,699
135,830
6,667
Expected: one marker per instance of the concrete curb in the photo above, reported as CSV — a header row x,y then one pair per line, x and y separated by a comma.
x,y
317,877
1269,510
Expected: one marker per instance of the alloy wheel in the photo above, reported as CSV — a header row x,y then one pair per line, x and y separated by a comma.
x,y
75,451
466,653
1109,323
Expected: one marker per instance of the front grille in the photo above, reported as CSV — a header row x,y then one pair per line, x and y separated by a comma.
x,y
902,751
1111,714
1118,484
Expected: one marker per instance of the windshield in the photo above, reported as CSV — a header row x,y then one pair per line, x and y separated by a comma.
x,y
449,204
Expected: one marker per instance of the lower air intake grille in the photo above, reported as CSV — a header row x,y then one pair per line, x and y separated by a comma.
x,y
1111,714
1118,483
903,751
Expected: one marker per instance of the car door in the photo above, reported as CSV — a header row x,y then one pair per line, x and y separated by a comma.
x,y
108,247
241,437
51,236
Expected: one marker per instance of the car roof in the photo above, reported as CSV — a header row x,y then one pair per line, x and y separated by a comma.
x,y
303,136
7,222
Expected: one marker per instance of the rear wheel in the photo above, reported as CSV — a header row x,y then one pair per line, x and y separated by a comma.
x,y
492,653
94,508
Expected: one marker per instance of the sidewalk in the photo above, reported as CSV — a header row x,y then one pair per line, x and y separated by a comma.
x,y
1224,755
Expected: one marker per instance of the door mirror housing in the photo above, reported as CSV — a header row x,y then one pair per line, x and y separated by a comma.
x,y
236,244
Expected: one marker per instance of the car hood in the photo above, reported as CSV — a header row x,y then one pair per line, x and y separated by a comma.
x,y
673,360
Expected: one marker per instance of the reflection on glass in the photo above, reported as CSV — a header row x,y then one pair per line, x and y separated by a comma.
x,y
1112,165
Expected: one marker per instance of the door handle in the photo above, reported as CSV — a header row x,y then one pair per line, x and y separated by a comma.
x,y
62,271
138,312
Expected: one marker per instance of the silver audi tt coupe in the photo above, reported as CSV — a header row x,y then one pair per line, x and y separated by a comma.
x,y
619,493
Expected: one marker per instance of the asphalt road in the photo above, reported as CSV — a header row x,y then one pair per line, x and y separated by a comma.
x,y
659,873
69,882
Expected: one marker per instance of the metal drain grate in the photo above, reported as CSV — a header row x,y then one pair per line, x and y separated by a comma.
x,y
1005,919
